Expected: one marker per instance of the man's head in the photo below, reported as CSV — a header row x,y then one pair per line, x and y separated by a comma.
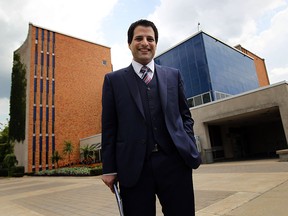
x,y
145,23
142,41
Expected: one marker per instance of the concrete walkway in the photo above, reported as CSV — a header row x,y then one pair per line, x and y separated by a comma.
x,y
248,188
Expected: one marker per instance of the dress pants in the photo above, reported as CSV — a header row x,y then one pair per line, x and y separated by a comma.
x,y
168,177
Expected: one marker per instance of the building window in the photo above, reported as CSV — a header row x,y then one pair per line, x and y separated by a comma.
x,y
104,62
36,54
206,98
53,114
41,85
190,102
40,152
40,127
35,85
53,143
47,150
35,98
48,40
36,33
41,113
34,145
42,58
47,143
42,37
198,100
47,58
53,128
53,61
47,86
53,99
34,113
53,42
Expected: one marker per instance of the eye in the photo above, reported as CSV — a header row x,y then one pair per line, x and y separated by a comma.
x,y
138,38
150,39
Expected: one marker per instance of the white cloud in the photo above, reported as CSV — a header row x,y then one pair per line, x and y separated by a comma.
x,y
82,19
278,74
4,110
271,44
259,26
121,56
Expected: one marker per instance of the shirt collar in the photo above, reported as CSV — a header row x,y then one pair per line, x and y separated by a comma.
x,y
137,66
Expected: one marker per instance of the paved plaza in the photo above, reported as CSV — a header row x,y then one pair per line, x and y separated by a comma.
x,y
248,188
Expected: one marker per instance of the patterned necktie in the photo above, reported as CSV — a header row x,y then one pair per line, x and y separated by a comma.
x,y
145,77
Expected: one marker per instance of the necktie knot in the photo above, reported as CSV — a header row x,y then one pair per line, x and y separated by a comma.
x,y
145,74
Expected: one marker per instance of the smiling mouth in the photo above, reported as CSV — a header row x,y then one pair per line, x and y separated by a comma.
x,y
144,50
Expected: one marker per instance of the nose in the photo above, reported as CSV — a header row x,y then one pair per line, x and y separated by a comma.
x,y
144,41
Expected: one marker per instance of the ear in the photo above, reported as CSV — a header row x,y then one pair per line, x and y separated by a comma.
x,y
129,46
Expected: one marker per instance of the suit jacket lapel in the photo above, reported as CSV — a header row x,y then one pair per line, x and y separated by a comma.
x,y
162,81
129,76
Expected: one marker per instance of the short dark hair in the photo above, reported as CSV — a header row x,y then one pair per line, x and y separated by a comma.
x,y
141,22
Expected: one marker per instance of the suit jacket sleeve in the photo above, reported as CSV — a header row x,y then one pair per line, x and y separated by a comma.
x,y
109,127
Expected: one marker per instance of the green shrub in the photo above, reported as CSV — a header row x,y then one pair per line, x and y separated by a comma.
x,y
3,172
74,171
96,171
18,171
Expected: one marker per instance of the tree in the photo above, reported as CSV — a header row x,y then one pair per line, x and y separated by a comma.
x,y
68,150
88,152
17,100
5,145
10,161
56,157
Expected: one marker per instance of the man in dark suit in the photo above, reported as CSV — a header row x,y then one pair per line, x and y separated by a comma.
x,y
148,141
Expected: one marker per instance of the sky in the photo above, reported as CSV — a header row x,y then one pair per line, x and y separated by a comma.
x,y
258,25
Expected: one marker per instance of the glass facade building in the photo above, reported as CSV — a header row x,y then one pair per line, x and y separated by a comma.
x,y
211,69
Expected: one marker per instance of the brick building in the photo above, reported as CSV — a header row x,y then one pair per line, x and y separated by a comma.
x,y
63,95
260,66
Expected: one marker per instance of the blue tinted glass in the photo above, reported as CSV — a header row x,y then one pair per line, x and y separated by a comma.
x,y
208,65
41,113
34,143
34,113
40,143
189,57
47,143
36,33
231,72
53,143
53,114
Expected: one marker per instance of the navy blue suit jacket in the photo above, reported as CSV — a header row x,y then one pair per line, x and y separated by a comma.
x,y
124,129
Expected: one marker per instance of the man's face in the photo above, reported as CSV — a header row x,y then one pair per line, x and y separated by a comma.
x,y
143,44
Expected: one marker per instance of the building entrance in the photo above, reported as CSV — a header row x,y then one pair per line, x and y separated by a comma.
x,y
255,135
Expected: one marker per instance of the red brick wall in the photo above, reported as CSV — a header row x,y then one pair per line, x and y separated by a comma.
x,y
79,73
78,89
